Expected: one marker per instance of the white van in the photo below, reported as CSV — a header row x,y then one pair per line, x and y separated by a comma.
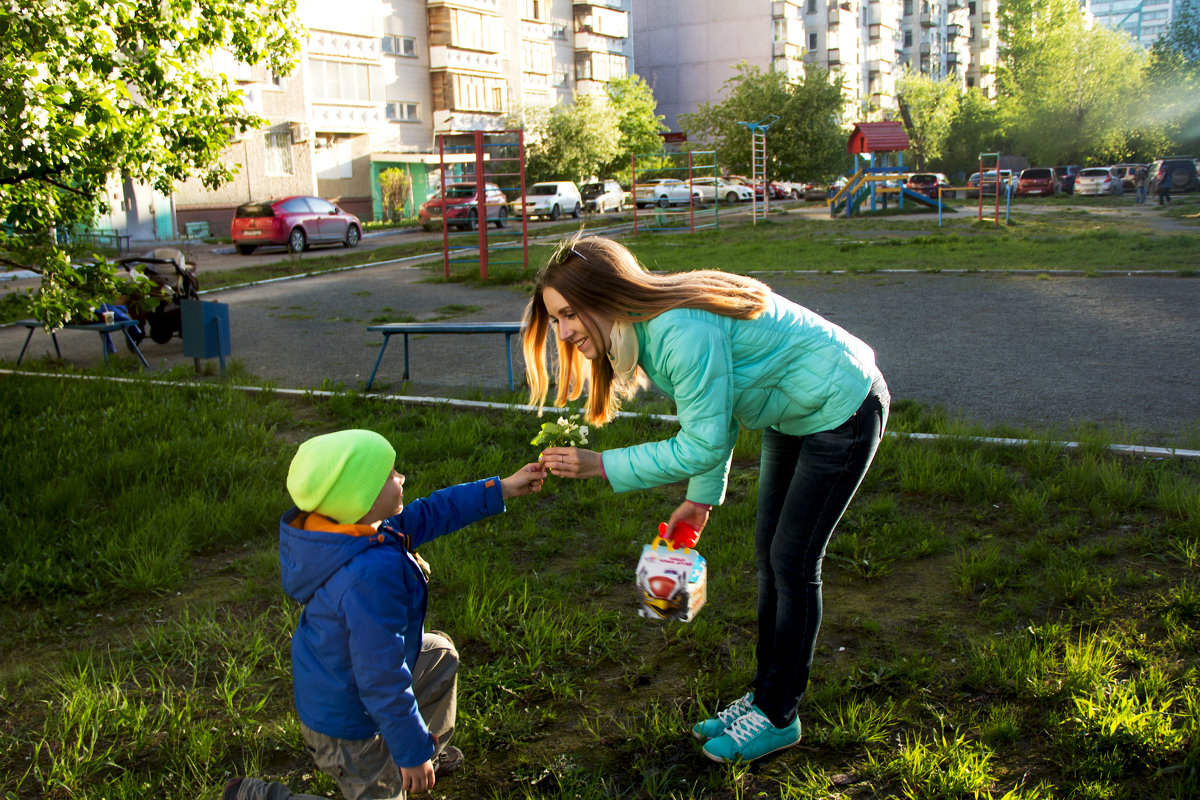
x,y
550,199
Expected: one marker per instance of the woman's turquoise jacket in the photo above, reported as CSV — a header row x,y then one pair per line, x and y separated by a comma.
x,y
787,369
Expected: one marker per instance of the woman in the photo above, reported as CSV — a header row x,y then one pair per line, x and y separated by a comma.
x,y
731,354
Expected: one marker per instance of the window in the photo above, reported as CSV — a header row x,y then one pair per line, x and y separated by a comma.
x,y
812,41
474,93
400,46
558,30
474,31
401,111
811,8
538,10
908,8
908,38
340,80
279,153
535,57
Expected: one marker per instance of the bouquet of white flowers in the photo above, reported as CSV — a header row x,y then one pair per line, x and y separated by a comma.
x,y
567,432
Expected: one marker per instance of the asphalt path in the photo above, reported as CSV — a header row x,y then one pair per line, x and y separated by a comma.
x,y
1048,352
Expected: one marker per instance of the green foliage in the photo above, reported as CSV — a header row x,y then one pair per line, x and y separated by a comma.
x,y
396,187
930,107
591,137
806,143
92,92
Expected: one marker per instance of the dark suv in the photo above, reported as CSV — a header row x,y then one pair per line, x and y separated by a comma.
x,y
1066,178
1183,174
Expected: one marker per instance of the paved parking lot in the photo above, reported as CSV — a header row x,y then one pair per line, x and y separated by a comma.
x,y
1023,350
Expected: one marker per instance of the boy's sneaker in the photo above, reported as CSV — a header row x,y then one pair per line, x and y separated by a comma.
x,y
447,761
231,789
751,736
712,728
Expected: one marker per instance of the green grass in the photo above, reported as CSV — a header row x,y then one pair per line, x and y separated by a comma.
x,y
1000,621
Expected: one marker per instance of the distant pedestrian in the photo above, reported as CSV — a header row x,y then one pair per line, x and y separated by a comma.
x,y
1140,176
1164,185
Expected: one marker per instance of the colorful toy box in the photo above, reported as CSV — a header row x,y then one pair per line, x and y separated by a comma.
x,y
671,581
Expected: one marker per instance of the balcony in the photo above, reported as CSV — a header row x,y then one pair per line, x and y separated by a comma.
x,y
455,60
924,49
785,50
329,118
592,43
928,20
835,57
603,3
952,60
953,31
487,6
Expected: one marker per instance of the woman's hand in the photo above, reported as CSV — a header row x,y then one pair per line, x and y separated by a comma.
x,y
689,512
572,462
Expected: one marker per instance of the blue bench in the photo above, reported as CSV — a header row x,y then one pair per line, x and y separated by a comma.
x,y
102,328
391,329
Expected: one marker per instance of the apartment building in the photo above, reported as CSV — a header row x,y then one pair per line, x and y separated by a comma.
x,y
1143,20
377,81
687,56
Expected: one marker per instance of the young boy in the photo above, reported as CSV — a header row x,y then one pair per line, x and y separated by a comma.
x,y
376,696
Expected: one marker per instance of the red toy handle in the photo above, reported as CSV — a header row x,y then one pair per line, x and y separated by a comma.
x,y
684,536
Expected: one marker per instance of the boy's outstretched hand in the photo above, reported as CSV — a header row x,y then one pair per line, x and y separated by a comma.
x,y
418,779
527,480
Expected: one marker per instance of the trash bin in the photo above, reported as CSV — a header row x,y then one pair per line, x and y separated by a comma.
x,y
205,330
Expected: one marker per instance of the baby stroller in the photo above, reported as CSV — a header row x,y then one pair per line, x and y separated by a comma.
x,y
158,312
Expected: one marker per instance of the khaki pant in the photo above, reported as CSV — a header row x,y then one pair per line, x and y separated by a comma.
x,y
363,768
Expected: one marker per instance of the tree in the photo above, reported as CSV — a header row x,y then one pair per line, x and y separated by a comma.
x,y
1173,78
805,144
97,88
638,121
976,128
395,186
593,136
1060,73
571,142
929,108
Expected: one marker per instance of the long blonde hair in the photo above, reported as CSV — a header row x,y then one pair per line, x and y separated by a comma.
x,y
602,279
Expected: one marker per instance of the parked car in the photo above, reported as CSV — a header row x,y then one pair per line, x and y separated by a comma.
x,y
1183,174
1126,172
550,199
1038,181
987,184
297,222
791,189
606,195
460,207
927,183
816,191
710,189
1098,181
662,192
1066,178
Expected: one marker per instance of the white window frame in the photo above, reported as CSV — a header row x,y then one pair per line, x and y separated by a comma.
x,y
402,46
278,147
403,111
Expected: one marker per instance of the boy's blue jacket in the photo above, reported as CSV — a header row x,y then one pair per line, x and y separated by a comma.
x,y
364,600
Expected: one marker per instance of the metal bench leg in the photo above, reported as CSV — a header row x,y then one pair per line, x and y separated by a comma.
x,y
25,346
406,356
508,353
138,350
378,358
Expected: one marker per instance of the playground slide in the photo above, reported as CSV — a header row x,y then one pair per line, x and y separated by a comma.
x,y
927,201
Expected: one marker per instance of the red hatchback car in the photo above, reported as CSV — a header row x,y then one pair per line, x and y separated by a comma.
x,y
297,222
1038,180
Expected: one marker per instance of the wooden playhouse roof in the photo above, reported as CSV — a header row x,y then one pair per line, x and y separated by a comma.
x,y
878,137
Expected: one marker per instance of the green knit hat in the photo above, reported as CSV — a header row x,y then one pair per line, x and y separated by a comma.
x,y
340,474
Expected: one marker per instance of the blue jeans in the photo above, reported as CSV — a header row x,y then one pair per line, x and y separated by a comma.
x,y
805,484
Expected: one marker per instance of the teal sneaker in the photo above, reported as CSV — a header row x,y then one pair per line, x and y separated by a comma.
x,y
750,737
712,728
